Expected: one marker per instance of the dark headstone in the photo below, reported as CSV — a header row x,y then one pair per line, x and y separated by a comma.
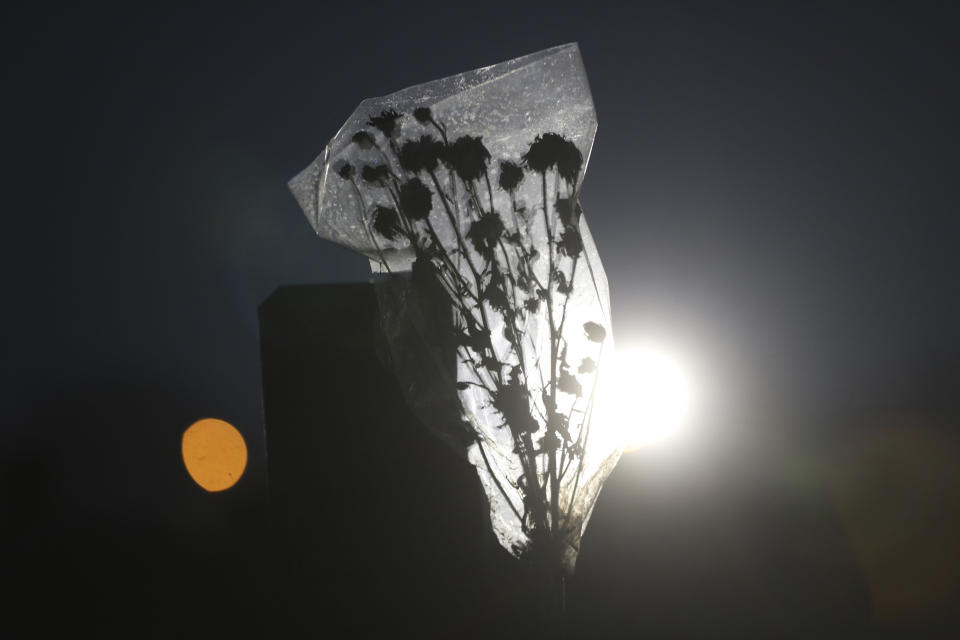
x,y
379,526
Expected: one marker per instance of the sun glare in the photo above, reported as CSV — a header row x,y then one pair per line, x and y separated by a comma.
x,y
651,395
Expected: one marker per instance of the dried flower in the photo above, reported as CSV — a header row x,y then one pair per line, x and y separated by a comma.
x,y
416,199
422,115
344,169
485,232
386,122
496,297
386,222
595,333
363,139
510,175
564,286
420,155
569,212
587,366
513,403
553,150
468,157
375,173
568,383
571,244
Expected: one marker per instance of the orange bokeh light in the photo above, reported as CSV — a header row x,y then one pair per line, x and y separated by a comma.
x,y
214,453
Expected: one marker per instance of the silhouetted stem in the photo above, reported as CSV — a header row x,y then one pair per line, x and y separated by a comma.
x,y
486,176
587,420
441,129
551,432
563,313
463,248
528,451
496,481
363,222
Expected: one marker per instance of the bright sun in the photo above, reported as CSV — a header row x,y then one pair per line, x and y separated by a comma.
x,y
651,395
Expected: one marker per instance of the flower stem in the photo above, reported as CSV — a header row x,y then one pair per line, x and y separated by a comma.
x,y
551,409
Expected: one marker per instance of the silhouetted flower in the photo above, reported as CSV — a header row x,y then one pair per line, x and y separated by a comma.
x,y
568,383
524,281
468,157
568,212
416,199
510,175
375,173
363,139
571,244
423,115
475,338
531,304
386,122
509,331
563,286
559,423
422,154
553,150
513,403
495,294
423,273
496,297
549,442
490,363
485,232
587,366
344,169
386,222
595,333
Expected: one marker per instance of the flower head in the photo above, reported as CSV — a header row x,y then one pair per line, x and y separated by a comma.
x,y
423,115
571,244
375,173
363,139
588,365
513,403
496,297
485,232
344,169
564,285
568,383
416,199
510,175
553,150
386,222
595,332
422,154
468,157
386,122
568,211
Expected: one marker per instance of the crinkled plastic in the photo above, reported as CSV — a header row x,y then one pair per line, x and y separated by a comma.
x,y
494,302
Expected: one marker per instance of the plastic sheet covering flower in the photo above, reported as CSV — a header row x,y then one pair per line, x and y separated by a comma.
x,y
463,193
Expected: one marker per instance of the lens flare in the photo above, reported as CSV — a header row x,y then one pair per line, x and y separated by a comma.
x,y
214,453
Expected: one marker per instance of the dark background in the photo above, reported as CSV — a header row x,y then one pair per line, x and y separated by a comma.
x,y
773,189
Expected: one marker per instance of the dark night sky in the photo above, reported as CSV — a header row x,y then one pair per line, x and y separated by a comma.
x,y
774,189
